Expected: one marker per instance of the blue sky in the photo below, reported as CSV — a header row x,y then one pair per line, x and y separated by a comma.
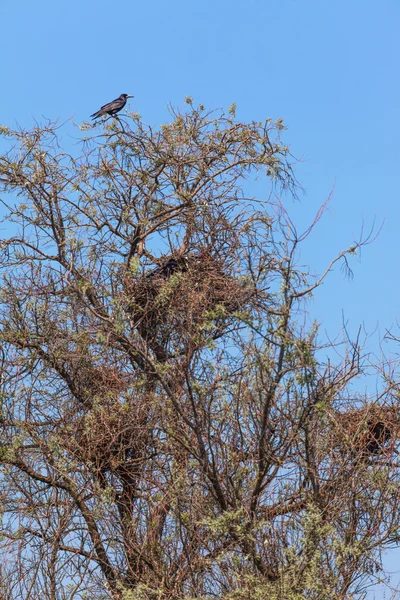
x,y
329,69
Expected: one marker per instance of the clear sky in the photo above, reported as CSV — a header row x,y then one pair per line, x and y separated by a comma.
x,y
330,69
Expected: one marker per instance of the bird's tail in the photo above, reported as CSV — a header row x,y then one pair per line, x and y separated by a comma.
x,y
96,114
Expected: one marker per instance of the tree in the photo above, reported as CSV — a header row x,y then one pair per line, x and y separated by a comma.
x,y
172,423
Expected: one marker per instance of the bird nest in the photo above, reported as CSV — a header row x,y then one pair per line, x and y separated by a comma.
x,y
368,431
100,380
111,438
90,381
183,296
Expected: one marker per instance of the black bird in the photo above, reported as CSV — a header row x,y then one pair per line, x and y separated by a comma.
x,y
378,435
167,269
112,107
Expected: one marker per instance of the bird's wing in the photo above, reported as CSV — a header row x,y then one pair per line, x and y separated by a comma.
x,y
111,105
98,113
115,105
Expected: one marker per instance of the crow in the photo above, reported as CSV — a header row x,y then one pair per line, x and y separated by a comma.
x,y
112,107
167,269
378,435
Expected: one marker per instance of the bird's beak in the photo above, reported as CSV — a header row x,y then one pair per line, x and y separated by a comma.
x,y
129,96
